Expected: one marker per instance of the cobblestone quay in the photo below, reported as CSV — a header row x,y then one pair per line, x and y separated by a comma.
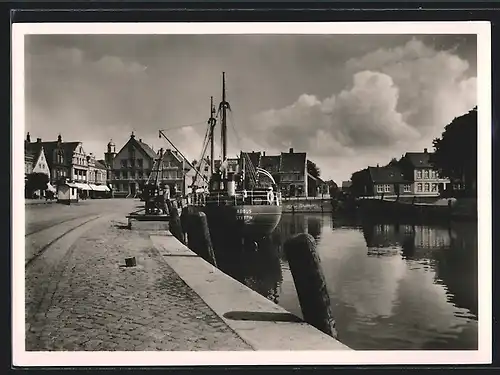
x,y
79,296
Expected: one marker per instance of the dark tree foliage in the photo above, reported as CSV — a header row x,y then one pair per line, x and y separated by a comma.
x,y
333,188
313,169
360,181
36,181
455,153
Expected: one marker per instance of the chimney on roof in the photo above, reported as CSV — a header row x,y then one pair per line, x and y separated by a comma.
x,y
291,150
378,166
263,153
38,140
59,138
28,137
140,140
132,135
425,151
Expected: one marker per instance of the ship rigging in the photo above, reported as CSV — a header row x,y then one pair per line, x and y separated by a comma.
x,y
235,199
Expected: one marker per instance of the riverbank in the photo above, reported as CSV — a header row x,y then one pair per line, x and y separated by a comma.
x,y
441,209
307,205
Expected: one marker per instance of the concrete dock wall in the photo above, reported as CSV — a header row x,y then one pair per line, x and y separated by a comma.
x,y
307,205
258,321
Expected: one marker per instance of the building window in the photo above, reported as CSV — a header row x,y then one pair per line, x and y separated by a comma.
x,y
426,187
419,187
419,174
407,188
139,163
387,188
434,187
124,163
380,188
426,174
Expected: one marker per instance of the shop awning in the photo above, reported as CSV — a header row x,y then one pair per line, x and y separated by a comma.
x,y
99,187
70,184
81,186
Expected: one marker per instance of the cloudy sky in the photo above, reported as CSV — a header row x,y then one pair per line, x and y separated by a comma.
x,y
348,100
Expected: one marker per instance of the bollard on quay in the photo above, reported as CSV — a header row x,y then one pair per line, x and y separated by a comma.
x,y
185,222
199,237
310,283
175,222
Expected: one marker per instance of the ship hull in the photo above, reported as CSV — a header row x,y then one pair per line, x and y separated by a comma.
x,y
243,220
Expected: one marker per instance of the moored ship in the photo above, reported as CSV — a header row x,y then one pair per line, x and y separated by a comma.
x,y
244,202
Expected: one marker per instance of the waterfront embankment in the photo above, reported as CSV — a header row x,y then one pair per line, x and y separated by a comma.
x,y
442,209
307,205
170,300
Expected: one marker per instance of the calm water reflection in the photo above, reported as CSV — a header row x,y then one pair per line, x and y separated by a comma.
x,y
392,286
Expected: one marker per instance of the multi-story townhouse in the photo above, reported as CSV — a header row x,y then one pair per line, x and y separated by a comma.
x,y
425,178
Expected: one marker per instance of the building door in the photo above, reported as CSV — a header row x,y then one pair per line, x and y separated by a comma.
x,y
133,188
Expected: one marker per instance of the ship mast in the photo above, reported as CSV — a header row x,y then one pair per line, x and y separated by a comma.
x,y
212,123
223,107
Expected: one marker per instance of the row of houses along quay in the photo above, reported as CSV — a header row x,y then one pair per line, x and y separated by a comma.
x,y
123,173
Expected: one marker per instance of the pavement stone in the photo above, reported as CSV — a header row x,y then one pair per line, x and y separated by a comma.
x,y
90,301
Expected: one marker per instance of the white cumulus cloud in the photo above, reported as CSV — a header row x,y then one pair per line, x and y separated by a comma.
x,y
398,100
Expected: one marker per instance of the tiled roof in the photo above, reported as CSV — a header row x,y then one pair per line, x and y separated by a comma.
x,y
49,147
99,164
386,175
141,145
292,162
32,150
176,155
254,157
69,147
419,159
270,163
231,161
147,149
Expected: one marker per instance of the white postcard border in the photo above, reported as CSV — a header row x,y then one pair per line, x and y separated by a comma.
x,y
484,353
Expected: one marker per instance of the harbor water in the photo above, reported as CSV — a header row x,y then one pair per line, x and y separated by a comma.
x,y
393,286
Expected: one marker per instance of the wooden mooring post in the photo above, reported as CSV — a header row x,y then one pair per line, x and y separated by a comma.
x,y
174,222
310,283
199,239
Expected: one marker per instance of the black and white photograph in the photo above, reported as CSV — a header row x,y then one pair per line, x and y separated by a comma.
x,y
251,193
